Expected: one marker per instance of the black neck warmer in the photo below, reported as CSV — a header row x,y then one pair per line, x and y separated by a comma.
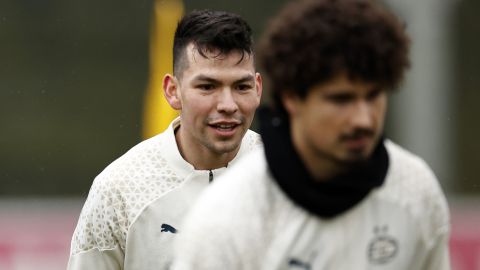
x,y
323,198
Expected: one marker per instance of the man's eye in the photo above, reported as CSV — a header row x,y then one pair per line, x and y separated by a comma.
x,y
243,87
374,94
205,86
340,99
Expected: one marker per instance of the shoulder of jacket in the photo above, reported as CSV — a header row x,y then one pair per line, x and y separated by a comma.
x,y
120,193
412,184
253,139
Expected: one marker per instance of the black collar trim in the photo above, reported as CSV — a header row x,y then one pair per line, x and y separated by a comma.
x,y
325,199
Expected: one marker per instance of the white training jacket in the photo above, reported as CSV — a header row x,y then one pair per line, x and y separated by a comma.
x,y
245,221
135,206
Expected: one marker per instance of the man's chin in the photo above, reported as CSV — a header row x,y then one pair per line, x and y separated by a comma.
x,y
225,147
355,158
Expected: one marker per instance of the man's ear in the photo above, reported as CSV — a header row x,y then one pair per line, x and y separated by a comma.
x,y
258,86
170,90
290,102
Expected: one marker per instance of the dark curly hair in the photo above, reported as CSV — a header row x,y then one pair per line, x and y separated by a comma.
x,y
210,31
311,41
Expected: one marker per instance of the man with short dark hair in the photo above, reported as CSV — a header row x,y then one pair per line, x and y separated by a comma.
x,y
327,191
135,206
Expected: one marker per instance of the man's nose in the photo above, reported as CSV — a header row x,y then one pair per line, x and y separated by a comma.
x,y
226,102
362,116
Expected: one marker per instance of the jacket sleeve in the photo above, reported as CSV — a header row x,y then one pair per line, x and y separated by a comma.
x,y
97,240
438,254
97,259
439,257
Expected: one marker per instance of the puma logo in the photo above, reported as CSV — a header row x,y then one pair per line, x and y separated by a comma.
x,y
294,263
168,228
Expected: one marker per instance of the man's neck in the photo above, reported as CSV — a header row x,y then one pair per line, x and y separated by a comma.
x,y
321,168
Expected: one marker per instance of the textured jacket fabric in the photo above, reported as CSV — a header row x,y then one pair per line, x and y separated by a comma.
x,y
135,206
246,221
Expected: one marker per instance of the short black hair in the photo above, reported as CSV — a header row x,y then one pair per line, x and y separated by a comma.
x,y
210,31
310,41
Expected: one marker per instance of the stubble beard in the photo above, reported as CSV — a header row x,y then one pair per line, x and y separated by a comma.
x,y
227,145
343,160
221,147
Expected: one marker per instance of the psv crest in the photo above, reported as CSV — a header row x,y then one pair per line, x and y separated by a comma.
x,y
383,248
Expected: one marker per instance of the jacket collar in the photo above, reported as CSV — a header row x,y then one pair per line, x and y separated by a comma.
x,y
174,157
326,199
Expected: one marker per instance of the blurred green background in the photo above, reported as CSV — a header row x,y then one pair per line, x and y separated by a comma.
x,y
73,76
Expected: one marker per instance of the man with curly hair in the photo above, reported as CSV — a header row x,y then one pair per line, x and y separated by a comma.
x,y
328,190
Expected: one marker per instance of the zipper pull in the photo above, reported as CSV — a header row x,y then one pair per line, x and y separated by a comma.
x,y
210,176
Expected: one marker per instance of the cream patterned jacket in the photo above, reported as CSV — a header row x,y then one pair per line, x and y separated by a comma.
x,y
136,205
404,224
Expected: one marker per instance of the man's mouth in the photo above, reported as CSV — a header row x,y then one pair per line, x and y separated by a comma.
x,y
225,126
358,141
359,144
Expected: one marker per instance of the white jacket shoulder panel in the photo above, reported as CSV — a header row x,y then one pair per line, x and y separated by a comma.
x,y
120,192
411,183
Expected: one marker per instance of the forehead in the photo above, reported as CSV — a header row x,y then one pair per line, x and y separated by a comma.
x,y
344,83
213,59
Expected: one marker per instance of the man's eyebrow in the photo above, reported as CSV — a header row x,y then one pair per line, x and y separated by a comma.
x,y
205,78
246,78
